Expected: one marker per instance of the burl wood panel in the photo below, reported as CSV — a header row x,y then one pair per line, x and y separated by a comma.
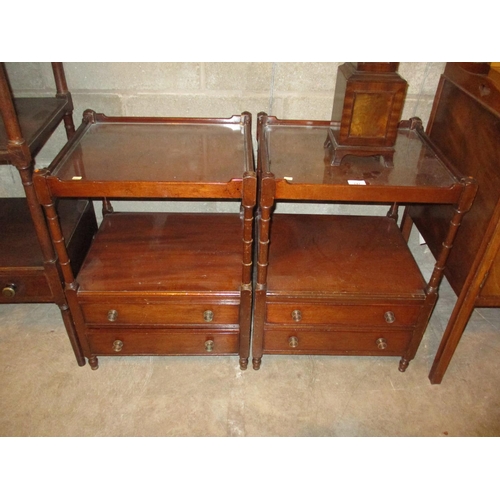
x,y
368,103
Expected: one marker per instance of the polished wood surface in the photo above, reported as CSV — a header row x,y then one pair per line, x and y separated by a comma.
x,y
38,118
21,259
472,151
341,256
156,157
164,252
328,284
339,284
144,342
159,283
19,246
302,167
465,128
368,103
160,310
320,341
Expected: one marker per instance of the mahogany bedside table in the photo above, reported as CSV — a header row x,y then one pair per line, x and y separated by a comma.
x,y
159,283
341,284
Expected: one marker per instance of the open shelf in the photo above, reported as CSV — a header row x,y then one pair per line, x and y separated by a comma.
x,y
38,118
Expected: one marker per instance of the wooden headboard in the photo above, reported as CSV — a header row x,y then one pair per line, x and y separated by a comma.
x,y
464,127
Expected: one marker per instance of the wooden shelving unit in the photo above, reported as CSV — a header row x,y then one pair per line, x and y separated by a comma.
x,y
29,271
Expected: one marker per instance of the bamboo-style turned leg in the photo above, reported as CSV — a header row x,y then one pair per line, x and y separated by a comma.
x,y
93,362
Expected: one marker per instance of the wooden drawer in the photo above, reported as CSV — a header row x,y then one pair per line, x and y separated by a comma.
x,y
24,287
337,342
129,342
383,315
180,312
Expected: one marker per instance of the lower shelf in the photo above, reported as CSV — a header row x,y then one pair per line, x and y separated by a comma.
x,y
164,284
339,285
22,273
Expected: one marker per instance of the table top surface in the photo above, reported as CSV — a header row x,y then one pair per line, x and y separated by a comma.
x,y
114,151
297,154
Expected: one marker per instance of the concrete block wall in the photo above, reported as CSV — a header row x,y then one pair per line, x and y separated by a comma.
x,y
301,90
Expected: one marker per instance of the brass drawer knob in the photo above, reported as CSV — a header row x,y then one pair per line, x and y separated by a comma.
x,y
296,315
208,316
9,290
389,317
112,315
117,345
293,342
381,343
209,345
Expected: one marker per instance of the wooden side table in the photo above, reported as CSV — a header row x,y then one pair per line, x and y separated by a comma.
x,y
345,285
159,283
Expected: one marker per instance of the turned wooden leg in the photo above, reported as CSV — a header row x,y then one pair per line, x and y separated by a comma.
x,y
73,338
256,363
94,362
243,363
107,207
393,211
403,364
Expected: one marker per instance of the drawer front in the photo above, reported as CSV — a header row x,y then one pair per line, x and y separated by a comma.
x,y
29,287
383,315
165,313
336,342
150,342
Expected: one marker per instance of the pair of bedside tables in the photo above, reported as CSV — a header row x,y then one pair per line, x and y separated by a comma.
x,y
250,282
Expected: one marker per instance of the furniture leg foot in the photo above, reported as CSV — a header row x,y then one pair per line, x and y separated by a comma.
x,y
403,364
93,362
243,363
388,159
256,363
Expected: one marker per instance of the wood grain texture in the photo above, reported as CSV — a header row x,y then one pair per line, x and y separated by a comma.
x,y
465,129
341,256
164,252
